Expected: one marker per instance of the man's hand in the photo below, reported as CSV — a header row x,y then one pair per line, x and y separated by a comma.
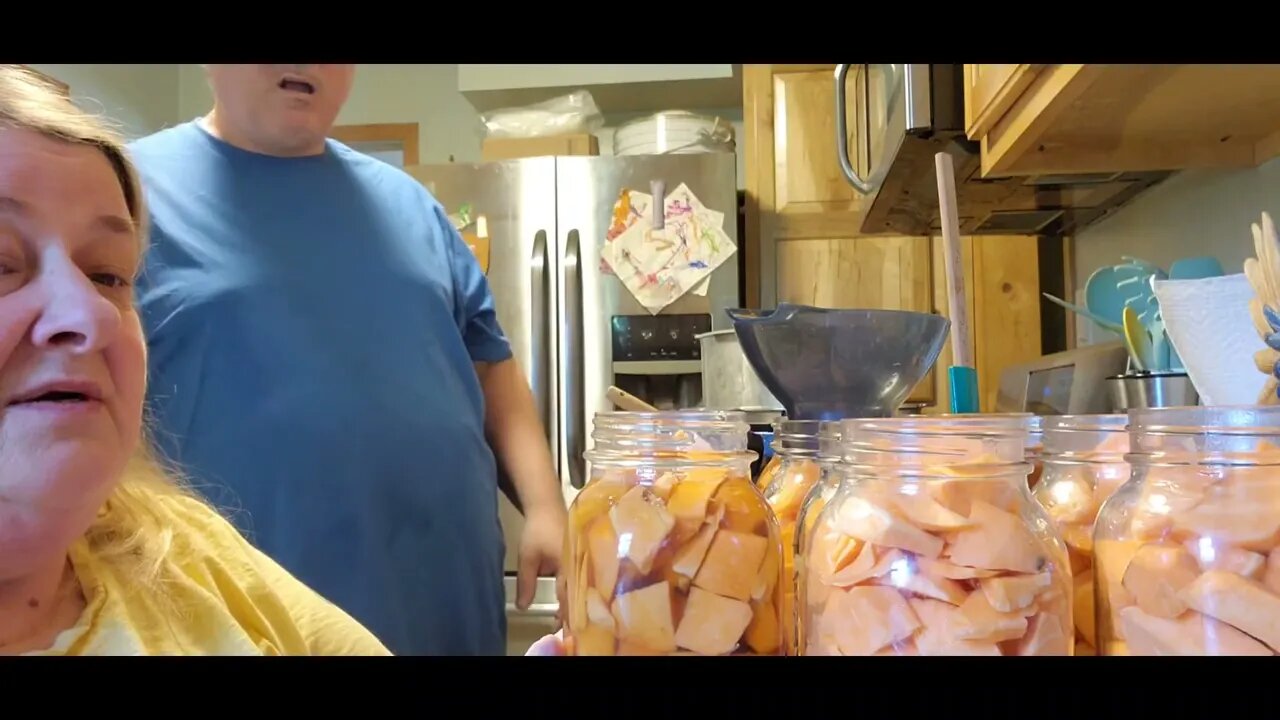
x,y
540,548
516,434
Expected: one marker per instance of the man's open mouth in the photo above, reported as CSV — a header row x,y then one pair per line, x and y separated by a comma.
x,y
301,86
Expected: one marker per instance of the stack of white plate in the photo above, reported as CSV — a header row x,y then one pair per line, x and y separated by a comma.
x,y
674,132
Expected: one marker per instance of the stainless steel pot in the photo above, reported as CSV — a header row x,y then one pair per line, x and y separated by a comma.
x,y
1151,390
728,380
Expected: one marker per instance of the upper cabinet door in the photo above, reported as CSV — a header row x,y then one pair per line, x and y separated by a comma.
x,y
1100,118
990,90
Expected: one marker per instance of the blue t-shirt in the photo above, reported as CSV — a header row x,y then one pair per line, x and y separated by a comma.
x,y
313,324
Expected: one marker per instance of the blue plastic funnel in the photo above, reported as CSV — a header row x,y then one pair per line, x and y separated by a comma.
x,y
828,364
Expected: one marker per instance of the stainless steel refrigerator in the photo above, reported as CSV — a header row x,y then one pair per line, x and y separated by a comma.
x,y
547,220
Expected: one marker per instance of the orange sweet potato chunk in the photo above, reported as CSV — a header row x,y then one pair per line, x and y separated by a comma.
x,y
1110,562
644,617
732,564
598,613
1237,601
1083,610
764,635
937,634
946,569
1213,556
712,625
871,523
578,598
1190,634
872,562
1236,511
642,524
960,495
594,641
767,576
1155,576
926,513
597,497
791,490
866,619
997,541
1014,592
602,548
1271,576
688,501
690,555
978,620
1045,637
919,580
744,508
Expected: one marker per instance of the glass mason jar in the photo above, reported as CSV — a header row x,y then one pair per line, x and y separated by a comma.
x,y
829,473
671,549
795,444
1186,551
1035,449
1084,464
770,468
932,545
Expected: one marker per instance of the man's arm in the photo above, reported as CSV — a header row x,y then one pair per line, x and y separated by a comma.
x,y
519,441
512,427
517,435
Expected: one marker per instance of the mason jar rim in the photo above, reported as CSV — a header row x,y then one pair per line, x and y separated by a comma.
x,y
1100,422
710,420
976,424
1245,420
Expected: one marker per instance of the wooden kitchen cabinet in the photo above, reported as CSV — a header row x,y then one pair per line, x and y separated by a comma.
x,y
803,244
1049,119
989,91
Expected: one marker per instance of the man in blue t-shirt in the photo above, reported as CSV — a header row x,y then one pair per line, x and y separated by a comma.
x,y
326,362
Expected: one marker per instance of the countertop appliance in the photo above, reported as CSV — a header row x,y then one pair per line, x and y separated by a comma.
x,y
547,219
902,115
1073,382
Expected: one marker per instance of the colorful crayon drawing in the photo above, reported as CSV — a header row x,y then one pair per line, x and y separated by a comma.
x,y
660,266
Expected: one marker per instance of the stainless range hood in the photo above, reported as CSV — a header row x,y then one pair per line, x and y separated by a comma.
x,y
892,119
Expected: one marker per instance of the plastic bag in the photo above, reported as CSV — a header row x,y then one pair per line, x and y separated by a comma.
x,y
564,115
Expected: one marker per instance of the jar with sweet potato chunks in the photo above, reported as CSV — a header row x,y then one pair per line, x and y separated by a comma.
x,y
1035,450
795,443
1187,551
932,545
1084,464
770,470
671,549
829,474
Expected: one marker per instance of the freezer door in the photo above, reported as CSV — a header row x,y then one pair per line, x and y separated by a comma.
x,y
516,200
587,188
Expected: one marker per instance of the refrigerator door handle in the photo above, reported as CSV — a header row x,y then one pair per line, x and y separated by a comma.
x,y
540,353
572,360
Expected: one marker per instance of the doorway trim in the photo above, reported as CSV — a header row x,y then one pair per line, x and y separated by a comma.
x,y
405,134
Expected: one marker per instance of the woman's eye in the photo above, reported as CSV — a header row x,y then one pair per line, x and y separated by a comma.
x,y
110,280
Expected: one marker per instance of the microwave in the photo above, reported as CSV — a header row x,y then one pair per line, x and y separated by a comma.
x,y
891,120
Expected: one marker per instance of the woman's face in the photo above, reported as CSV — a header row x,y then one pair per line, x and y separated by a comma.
x,y
72,356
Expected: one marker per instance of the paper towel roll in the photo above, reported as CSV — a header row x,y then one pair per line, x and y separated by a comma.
x,y
1208,322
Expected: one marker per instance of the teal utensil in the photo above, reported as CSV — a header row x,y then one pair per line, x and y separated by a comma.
x,y
1103,297
1196,268
1084,312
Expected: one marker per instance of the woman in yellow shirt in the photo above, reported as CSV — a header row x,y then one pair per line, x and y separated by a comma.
x,y
101,550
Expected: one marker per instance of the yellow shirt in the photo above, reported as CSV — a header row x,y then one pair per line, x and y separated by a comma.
x,y
223,597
